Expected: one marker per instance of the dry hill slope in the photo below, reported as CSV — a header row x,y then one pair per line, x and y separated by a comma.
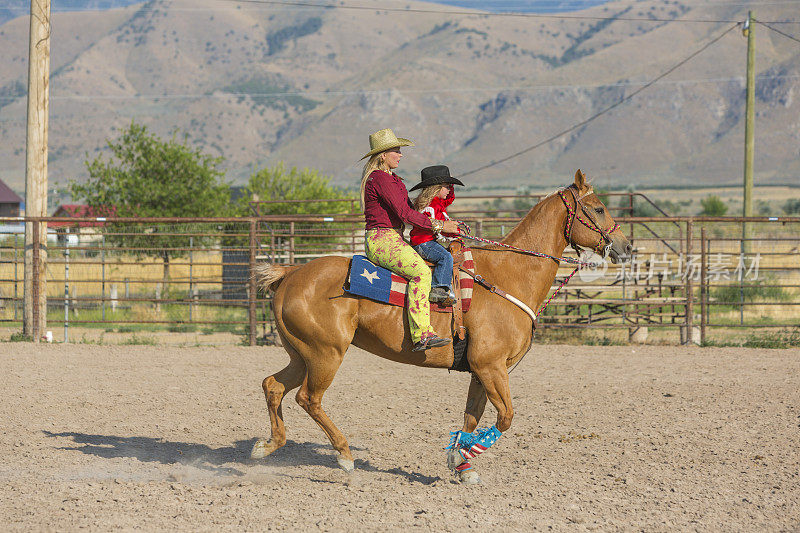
x,y
261,83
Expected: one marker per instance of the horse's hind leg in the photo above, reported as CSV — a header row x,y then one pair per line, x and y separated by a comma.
x,y
275,388
321,370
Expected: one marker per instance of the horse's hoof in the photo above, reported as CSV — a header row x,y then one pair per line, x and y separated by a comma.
x,y
348,465
262,448
470,477
454,459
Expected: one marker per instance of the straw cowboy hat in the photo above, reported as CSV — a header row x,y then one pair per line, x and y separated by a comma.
x,y
436,175
383,140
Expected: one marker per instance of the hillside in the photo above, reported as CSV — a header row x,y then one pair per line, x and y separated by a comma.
x,y
260,83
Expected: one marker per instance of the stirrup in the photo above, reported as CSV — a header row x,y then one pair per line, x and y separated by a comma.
x,y
429,341
442,297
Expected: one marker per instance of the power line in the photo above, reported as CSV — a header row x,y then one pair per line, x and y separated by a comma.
x,y
606,110
484,14
453,90
778,31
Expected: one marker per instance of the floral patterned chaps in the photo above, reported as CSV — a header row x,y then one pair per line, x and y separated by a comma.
x,y
386,247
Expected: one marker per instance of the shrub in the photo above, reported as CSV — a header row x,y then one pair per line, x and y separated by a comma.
x,y
20,337
713,206
792,206
774,339
749,292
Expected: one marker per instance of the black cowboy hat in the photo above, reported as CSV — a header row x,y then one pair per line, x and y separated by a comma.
x,y
435,175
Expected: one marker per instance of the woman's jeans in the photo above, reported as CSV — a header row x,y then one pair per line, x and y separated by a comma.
x,y
443,259
385,247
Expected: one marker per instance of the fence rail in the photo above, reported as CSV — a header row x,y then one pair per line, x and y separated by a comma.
x,y
693,275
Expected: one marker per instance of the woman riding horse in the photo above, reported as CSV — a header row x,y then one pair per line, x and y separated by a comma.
x,y
386,207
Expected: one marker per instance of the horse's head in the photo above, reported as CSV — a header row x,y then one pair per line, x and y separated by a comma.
x,y
589,225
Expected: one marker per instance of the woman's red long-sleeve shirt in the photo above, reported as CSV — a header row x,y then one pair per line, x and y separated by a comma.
x,y
386,203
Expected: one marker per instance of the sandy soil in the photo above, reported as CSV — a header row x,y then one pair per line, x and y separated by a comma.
x,y
608,438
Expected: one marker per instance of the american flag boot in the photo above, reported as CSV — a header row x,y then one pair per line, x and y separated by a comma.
x,y
465,446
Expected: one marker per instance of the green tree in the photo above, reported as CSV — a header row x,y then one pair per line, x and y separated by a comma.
x,y
713,206
792,206
273,184
276,183
149,177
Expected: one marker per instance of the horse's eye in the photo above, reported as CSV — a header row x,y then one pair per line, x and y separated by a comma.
x,y
598,210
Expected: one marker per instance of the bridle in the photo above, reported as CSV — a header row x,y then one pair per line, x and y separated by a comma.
x,y
603,246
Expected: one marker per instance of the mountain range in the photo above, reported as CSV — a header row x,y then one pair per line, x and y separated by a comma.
x,y
259,83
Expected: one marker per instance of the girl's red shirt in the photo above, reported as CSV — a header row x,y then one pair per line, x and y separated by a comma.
x,y
438,210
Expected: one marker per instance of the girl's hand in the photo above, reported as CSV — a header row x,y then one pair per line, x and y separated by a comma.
x,y
450,226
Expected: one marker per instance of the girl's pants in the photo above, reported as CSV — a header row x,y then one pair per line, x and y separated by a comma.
x,y
443,259
385,247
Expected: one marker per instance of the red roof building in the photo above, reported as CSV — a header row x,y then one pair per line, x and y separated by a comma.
x,y
81,211
9,201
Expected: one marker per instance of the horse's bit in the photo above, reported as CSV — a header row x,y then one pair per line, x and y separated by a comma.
x,y
572,214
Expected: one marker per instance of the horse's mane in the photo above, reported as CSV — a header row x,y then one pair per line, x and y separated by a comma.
x,y
533,210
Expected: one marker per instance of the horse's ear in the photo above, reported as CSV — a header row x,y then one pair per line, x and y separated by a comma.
x,y
580,180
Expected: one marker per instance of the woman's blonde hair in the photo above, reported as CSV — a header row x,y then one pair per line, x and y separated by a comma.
x,y
425,196
376,162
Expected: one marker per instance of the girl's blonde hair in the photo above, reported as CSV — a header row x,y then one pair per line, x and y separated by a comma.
x,y
376,162
426,196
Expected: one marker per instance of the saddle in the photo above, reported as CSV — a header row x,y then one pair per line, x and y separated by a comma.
x,y
379,284
366,279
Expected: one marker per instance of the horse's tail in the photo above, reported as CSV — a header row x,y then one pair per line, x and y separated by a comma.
x,y
269,276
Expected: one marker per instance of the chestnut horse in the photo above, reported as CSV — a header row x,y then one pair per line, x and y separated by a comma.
x,y
317,322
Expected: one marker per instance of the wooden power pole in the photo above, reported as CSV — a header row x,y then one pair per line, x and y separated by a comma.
x,y
34,319
749,124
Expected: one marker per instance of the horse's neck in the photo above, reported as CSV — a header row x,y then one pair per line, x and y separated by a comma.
x,y
542,229
529,277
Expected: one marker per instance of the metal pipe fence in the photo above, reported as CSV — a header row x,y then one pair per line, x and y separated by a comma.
x,y
691,275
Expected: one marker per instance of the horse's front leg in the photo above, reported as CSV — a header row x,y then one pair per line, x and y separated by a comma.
x,y
491,383
476,404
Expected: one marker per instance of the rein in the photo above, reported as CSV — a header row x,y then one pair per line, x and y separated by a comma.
x,y
572,215
578,262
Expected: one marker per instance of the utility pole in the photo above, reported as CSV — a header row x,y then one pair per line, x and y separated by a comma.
x,y
35,300
749,124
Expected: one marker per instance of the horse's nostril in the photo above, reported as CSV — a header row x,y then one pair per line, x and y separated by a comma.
x,y
628,249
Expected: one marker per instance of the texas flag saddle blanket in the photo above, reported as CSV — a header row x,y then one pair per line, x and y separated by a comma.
x,y
377,283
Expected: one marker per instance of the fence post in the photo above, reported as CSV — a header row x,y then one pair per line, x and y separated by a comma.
x,y
16,276
34,304
66,291
102,275
630,214
252,292
703,285
689,287
191,286
291,243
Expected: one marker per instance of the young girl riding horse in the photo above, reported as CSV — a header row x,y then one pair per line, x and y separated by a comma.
x,y
437,193
386,207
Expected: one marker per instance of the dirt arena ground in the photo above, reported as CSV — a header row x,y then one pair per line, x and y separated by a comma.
x,y
605,438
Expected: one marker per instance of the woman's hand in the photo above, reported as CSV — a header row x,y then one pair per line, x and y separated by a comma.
x,y
449,226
